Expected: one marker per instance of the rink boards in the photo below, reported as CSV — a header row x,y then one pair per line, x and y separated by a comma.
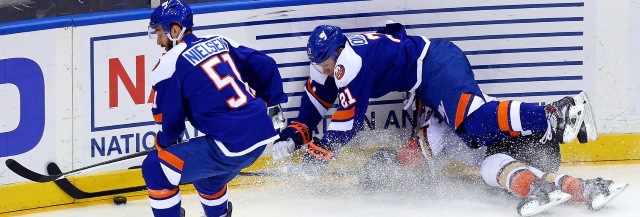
x,y
76,90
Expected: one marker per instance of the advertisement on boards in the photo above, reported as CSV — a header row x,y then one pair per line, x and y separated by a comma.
x,y
96,77
35,100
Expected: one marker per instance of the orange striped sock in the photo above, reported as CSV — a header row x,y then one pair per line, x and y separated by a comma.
x,y
573,186
521,181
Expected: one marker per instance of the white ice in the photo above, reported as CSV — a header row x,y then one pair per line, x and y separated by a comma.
x,y
342,196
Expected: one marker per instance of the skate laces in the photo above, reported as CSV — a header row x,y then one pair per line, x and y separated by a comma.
x,y
552,120
548,135
593,187
540,189
557,115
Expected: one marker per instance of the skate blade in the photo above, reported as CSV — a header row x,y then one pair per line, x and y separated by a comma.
x,y
614,190
555,198
589,118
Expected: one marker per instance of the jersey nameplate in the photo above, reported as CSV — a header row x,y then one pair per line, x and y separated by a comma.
x,y
357,40
204,50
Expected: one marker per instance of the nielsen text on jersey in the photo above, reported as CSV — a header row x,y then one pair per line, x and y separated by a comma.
x,y
202,51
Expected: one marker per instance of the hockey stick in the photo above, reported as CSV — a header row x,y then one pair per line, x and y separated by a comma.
x,y
36,177
76,193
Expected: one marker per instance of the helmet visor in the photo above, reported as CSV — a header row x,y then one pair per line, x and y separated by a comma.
x,y
333,56
152,33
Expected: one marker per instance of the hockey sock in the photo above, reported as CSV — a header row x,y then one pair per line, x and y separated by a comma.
x,y
501,170
480,128
165,202
512,116
568,184
514,176
164,194
527,117
496,120
214,202
521,181
519,118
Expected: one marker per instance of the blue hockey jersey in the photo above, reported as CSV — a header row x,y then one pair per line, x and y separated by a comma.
x,y
374,64
370,65
222,88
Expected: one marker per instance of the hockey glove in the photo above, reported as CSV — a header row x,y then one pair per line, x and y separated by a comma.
x,y
319,150
291,139
298,132
283,149
275,112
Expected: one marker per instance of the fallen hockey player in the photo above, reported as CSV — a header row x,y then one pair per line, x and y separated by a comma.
x,y
521,166
351,69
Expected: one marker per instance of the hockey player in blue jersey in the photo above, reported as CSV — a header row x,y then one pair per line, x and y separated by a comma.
x,y
355,68
351,69
209,81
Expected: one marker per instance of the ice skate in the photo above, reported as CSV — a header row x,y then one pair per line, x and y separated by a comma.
x,y
598,192
229,209
565,118
542,196
588,129
228,214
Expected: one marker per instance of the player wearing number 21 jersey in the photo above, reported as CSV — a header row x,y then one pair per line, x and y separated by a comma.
x,y
351,69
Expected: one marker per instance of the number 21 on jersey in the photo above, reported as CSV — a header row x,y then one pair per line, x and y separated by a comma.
x,y
346,99
228,80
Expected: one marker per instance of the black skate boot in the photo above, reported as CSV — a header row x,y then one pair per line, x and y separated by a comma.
x,y
598,192
229,209
565,119
228,214
542,196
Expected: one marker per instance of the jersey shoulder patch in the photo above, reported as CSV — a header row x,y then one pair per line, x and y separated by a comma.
x,y
347,67
357,40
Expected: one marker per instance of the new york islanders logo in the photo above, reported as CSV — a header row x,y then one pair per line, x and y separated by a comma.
x,y
338,71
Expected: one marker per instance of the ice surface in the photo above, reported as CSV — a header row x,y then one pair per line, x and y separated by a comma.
x,y
343,196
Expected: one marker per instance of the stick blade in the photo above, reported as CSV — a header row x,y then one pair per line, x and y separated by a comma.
x,y
65,184
28,174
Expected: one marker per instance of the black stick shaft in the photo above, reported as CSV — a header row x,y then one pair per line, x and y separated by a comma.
x,y
36,177
90,167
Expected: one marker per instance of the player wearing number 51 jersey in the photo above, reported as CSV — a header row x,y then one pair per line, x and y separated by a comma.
x,y
223,89
210,81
